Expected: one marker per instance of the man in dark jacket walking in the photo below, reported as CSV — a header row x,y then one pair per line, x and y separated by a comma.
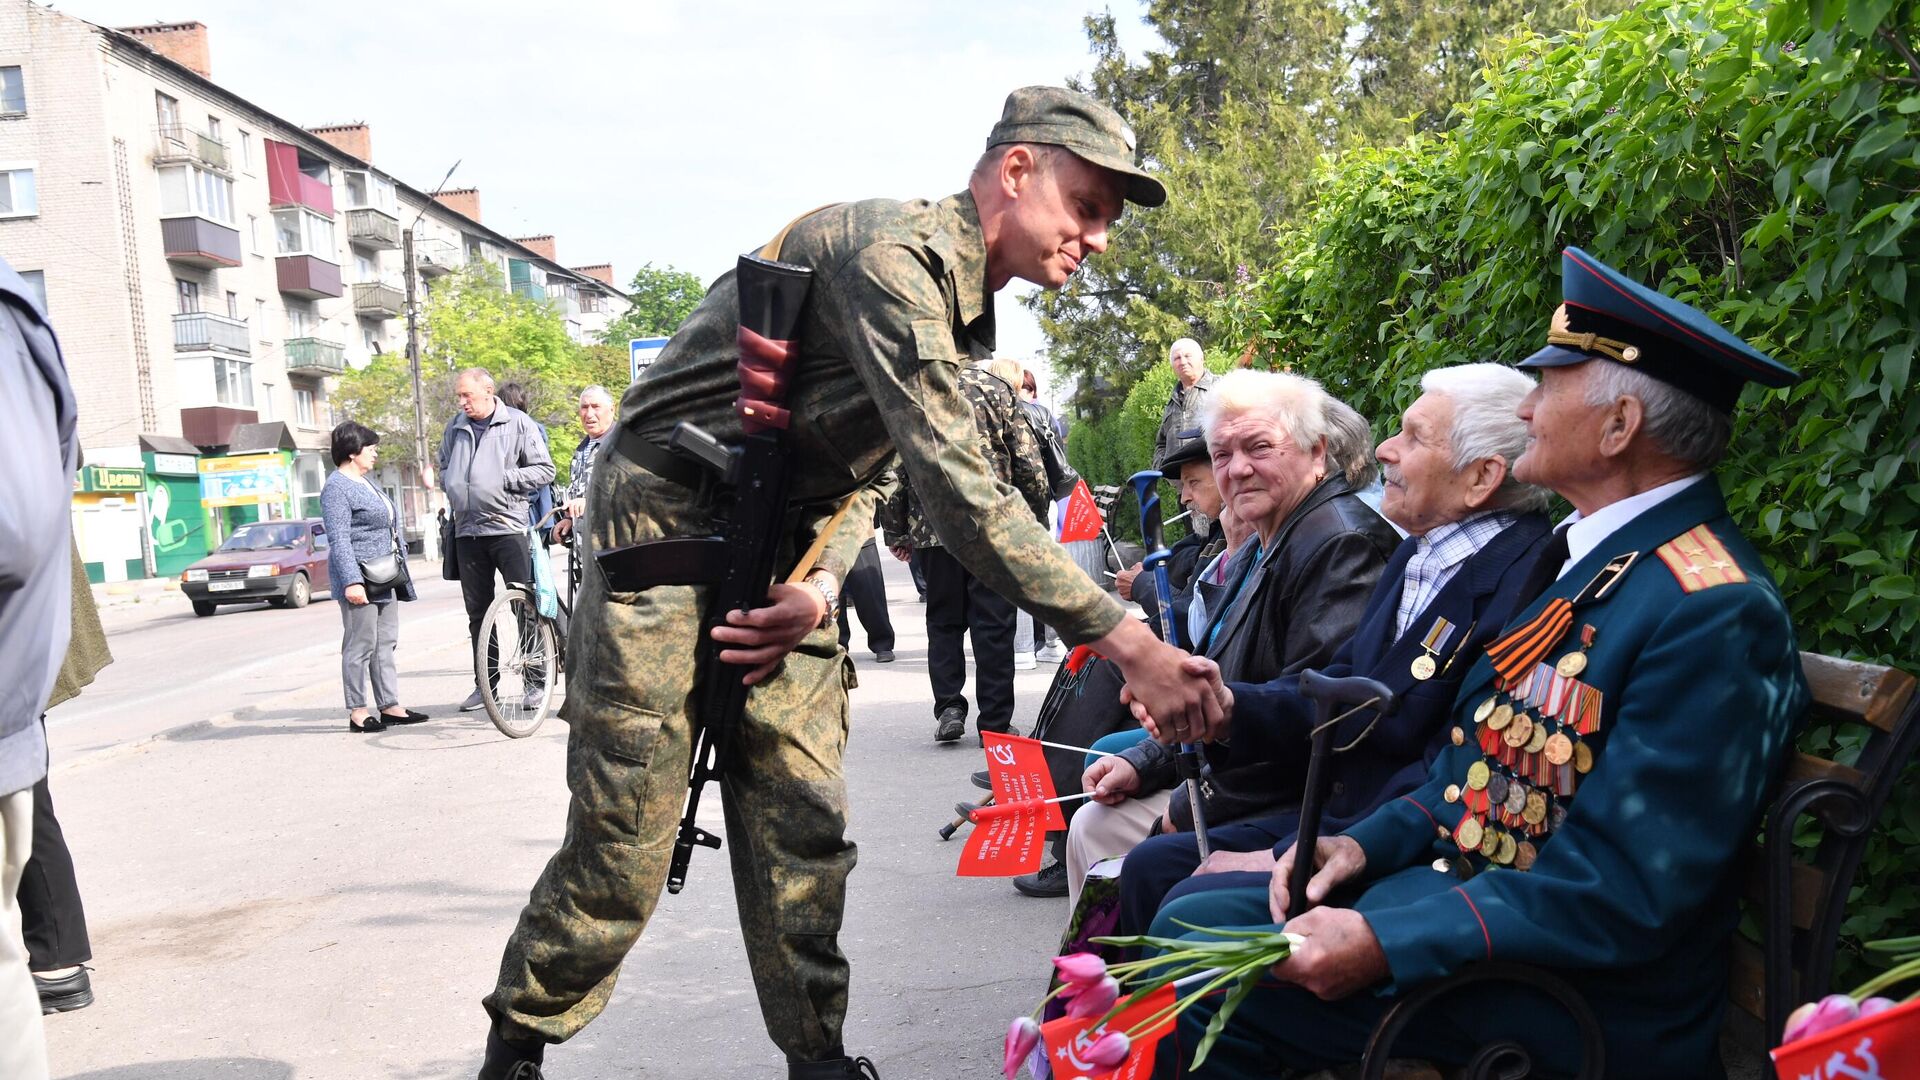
x,y
492,459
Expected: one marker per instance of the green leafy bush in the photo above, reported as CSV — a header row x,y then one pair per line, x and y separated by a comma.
x,y
1756,160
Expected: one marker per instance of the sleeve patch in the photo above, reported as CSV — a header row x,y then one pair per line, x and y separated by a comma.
x,y
1699,561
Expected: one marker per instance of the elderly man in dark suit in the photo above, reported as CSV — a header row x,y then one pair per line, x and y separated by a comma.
x,y
1473,532
1631,717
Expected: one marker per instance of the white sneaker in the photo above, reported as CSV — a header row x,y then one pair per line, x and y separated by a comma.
x,y
1051,654
1023,661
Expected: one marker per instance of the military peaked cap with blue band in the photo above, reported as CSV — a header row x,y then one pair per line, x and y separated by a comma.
x,y
1607,316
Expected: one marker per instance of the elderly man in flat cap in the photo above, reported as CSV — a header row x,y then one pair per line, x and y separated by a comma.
x,y
1610,754
902,298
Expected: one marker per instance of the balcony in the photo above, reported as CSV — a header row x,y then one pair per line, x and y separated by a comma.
x,y
196,241
377,300
203,331
435,257
530,290
174,143
313,356
375,230
308,277
297,179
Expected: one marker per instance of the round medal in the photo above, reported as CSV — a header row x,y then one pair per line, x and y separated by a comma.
x,y
1490,842
1524,854
1485,710
1477,775
1538,740
1519,731
1452,793
1571,664
1516,799
1497,788
1535,810
1582,758
1459,737
1500,717
1469,834
1559,748
1424,667
1509,847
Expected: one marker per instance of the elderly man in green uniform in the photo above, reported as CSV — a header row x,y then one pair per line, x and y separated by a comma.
x,y
1612,749
901,299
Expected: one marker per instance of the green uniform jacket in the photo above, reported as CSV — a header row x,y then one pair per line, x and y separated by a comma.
x,y
1633,896
899,304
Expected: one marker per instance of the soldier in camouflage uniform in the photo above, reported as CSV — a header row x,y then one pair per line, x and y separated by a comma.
x,y
901,298
959,603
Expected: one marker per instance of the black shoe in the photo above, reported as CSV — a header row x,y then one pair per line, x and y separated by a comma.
x,y
64,994
511,1059
952,724
1047,882
982,780
883,656
844,1068
408,717
369,725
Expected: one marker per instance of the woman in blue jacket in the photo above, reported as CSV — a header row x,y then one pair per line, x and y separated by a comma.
x,y
361,528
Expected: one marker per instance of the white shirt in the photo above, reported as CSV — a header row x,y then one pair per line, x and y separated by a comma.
x,y
1438,556
1585,533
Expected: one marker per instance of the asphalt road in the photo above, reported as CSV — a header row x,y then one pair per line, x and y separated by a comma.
x,y
271,897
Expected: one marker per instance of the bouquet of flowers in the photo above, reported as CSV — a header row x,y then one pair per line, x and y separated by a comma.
x,y
1858,1030
1117,1012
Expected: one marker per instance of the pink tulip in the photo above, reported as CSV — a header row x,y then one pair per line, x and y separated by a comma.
x,y
1831,1011
1797,1022
1080,970
1094,1000
1022,1036
1876,1005
1109,1051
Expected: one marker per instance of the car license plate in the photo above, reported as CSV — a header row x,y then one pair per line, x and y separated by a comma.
x,y
225,586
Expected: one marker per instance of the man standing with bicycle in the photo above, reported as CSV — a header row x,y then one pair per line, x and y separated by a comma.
x,y
492,459
901,299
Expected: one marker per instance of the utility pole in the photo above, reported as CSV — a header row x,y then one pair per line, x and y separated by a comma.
x,y
429,536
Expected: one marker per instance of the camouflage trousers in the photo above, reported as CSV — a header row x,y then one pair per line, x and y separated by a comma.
x,y
630,695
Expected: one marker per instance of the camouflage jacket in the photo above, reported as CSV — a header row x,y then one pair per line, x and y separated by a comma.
x,y
1007,441
899,304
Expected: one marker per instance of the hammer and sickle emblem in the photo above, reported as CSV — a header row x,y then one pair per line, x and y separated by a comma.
x,y
1002,754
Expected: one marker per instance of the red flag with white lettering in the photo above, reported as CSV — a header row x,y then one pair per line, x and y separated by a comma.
x,y
1070,1040
1082,521
1006,841
1878,1047
1018,768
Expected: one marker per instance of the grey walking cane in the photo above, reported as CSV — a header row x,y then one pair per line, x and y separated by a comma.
x,y
1155,563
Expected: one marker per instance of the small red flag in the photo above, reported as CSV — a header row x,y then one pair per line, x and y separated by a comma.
x,y
1004,844
1886,1044
1018,768
1068,1040
1082,521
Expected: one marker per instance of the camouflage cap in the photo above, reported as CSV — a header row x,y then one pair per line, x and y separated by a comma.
x,y
1056,116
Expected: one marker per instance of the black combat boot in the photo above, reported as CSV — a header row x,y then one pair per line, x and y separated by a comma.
x,y
511,1059
840,1068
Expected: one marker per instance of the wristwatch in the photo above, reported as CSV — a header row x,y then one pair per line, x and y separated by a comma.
x,y
823,581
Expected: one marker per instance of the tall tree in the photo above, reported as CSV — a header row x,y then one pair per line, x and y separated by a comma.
x,y
1236,109
662,299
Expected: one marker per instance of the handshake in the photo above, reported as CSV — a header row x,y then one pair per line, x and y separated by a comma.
x,y
1175,696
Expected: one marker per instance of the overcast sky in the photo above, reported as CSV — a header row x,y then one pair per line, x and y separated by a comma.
x,y
665,131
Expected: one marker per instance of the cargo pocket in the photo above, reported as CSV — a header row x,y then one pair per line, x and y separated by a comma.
x,y
608,756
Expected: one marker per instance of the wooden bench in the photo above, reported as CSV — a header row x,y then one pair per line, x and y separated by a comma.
x,y
1800,902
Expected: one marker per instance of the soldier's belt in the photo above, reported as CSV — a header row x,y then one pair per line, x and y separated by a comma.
x,y
656,459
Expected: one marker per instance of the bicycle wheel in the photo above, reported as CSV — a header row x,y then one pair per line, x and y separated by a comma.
x,y
514,664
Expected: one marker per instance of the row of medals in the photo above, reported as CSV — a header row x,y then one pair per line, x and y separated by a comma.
x,y
1517,793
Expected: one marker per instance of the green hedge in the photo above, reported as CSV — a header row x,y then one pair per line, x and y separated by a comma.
x,y
1113,447
1758,161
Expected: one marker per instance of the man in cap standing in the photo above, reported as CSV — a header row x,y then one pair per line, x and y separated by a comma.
x,y
1630,720
901,299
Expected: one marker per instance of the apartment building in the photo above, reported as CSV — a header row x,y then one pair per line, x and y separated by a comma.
x,y
211,269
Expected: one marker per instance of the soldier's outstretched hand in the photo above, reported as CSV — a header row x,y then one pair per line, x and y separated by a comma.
x,y
762,637
1199,667
1181,701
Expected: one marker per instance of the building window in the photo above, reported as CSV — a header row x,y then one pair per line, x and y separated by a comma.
x,y
299,231
372,340
17,197
589,302
213,128
253,233
303,406
166,110
233,305
188,190
300,319
36,284
233,381
367,190
189,292
246,149
13,92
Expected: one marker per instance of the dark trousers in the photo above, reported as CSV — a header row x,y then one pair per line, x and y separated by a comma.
x,y
1160,864
959,603
51,917
865,590
918,571
480,557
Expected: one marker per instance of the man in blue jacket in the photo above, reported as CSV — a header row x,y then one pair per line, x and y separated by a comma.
x,y
1473,534
1660,662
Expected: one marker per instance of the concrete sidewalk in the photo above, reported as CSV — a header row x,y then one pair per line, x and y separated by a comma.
x,y
272,897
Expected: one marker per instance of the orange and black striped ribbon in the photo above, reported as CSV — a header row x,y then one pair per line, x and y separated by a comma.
x,y
1517,653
